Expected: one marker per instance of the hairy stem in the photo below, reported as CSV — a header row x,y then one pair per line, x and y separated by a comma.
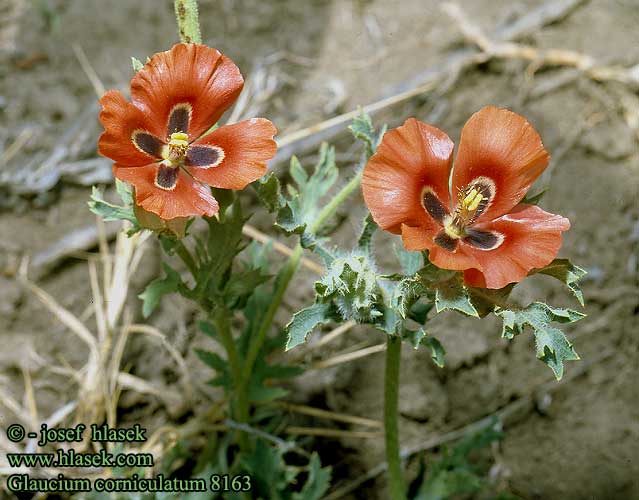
x,y
186,257
289,271
391,432
281,285
337,200
186,14
220,318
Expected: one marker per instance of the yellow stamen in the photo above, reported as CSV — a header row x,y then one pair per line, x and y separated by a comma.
x,y
471,201
179,139
469,197
176,150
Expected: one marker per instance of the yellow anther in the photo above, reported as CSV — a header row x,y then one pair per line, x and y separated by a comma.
x,y
474,203
469,197
179,139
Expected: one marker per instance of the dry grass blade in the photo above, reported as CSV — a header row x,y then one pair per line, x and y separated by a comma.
x,y
338,433
63,315
88,69
98,304
154,333
333,334
349,356
16,146
330,415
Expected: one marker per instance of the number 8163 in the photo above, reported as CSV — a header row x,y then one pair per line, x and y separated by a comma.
x,y
225,482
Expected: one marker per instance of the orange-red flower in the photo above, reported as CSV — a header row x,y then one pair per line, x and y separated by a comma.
x,y
483,230
159,141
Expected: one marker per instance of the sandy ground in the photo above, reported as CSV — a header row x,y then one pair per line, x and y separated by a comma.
x,y
576,440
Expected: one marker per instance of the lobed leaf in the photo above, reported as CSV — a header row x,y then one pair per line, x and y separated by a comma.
x,y
317,482
453,294
159,287
305,321
552,346
269,192
300,210
566,272
418,338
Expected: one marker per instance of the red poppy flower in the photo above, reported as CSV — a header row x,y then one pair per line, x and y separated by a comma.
x,y
484,230
159,140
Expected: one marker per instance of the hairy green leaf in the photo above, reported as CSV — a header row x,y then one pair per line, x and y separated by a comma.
x,y
159,287
453,294
216,253
212,360
418,338
362,128
304,202
137,64
317,483
485,300
109,211
352,283
534,199
411,262
241,285
305,321
366,236
566,272
269,192
552,346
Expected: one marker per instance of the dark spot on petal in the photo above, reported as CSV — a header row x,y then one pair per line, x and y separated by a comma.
x,y
446,242
204,156
433,206
148,143
166,177
179,119
483,240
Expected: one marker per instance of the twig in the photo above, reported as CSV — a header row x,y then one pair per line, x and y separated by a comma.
x,y
538,57
281,443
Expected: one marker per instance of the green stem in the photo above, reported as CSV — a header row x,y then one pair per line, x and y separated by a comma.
x,y
289,271
281,285
186,15
391,432
337,200
220,318
186,257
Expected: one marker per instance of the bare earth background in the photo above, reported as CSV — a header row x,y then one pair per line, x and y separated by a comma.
x,y
307,61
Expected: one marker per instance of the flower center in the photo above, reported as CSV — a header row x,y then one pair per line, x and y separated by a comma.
x,y
176,149
472,201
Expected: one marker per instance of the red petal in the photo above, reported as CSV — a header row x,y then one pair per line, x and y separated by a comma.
x,y
420,238
120,119
247,147
532,238
188,73
188,198
408,159
501,145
